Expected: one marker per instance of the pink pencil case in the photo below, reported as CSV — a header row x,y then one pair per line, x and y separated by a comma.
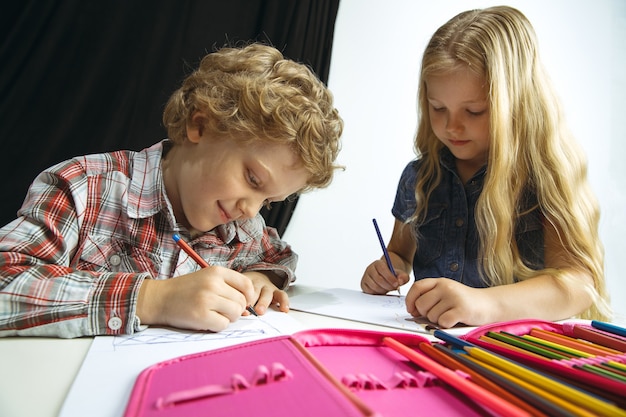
x,y
325,372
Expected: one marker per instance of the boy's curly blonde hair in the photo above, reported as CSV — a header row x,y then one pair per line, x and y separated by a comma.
x,y
253,93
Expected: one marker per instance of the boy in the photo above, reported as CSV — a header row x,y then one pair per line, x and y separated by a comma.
x,y
91,251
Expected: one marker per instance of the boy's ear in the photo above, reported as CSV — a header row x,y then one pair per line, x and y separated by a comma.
x,y
195,127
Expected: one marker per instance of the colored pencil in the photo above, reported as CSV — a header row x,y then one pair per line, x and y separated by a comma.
x,y
444,356
508,346
515,341
200,261
608,327
550,403
385,252
447,337
598,337
473,391
576,396
610,369
558,346
584,345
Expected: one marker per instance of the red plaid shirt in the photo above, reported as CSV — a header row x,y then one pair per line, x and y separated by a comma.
x,y
92,229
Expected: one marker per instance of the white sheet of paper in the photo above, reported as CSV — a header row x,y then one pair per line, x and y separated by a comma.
x,y
108,373
383,310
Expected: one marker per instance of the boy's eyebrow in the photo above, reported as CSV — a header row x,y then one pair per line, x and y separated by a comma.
x,y
266,171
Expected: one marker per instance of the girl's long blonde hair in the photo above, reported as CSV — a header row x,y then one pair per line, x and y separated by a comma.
x,y
531,149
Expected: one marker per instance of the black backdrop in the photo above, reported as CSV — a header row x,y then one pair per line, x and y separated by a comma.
x,y
87,76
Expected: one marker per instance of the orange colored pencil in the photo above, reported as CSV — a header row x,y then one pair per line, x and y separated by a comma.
x,y
476,392
583,345
477,378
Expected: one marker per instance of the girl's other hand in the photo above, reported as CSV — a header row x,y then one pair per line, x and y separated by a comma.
x,y
448,302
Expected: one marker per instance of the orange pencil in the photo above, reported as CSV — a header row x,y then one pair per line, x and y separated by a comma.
x,y
599,338
478,393
200,261
582,345
441,355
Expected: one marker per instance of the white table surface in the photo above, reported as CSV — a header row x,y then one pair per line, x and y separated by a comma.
x,y
37,373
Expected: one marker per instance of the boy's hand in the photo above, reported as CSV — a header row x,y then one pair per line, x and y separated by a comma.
x,y
209,299
267,293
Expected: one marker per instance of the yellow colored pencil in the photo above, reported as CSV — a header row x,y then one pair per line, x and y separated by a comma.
x,y
576,396
568,406
558,346
473,391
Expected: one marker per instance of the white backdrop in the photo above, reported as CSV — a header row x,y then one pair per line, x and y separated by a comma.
x,y
375,63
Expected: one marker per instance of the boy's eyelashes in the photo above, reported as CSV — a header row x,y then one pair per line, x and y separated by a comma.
x,y
253,180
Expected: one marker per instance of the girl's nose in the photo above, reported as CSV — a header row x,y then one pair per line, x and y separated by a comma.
x,y
453,123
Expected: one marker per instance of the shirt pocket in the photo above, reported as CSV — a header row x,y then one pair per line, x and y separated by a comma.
x,y
430,235
101,254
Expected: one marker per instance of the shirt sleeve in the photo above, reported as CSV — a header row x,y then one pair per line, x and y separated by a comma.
x,y
42,292
404,204
277,257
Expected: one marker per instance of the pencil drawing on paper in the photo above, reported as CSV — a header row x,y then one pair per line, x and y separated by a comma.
x,y
241,329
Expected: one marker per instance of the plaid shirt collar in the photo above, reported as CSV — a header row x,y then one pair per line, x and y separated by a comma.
x,y
147,197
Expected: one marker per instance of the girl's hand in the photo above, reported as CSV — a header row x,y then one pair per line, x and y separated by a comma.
x,y
378,279
267,293
208,299
448,302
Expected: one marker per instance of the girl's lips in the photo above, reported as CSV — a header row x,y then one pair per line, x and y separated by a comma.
x,y
458,142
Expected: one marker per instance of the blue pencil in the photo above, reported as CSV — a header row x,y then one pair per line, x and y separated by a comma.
x,y
608,327
448,338
384,248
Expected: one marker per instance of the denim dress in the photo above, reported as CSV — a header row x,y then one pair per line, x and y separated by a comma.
x,y
447,239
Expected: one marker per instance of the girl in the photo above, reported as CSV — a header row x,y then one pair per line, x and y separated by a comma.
x,y
495,216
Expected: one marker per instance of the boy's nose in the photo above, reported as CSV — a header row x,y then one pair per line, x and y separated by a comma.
x,y
249,207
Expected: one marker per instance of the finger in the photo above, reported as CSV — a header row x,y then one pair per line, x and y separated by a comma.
x,y
282,299
403,278
413,298
216,322
242,284
264,301
448,319
378,279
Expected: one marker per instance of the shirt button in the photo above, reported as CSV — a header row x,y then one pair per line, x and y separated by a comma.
x,y
459,222
454,266
115,260
115,323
